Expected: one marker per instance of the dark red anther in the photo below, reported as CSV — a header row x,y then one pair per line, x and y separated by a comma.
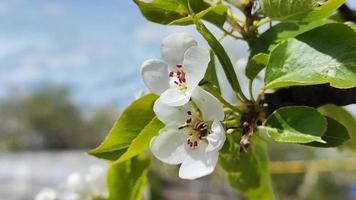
x,y
179,66
176,82
189,120
195,143
189,112
171,74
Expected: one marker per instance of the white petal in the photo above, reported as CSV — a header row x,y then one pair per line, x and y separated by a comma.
x,y
46,194
198,163
155,75
169,146
175,97
216,138
196,60
172,115
174,46
210,107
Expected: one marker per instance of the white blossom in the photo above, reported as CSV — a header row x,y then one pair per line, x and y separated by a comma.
x,y
46,194
193,135
176,76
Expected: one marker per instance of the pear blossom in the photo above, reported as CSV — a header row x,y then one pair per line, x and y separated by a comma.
x,y
193,134
176,76
46,194
79,186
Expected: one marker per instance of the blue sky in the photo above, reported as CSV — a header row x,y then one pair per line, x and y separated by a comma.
x,y
93,47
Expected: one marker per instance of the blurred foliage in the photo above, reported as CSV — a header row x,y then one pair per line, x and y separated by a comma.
x,y
49,119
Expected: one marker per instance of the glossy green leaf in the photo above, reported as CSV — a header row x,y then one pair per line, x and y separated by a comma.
x,y
221,55
175,12
129,125
248,173
299,10
326,54
335,135
127,180
142,142
273,36
295,124
210,74
215,14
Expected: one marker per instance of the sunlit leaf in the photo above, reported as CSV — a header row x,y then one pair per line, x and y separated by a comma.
x,y
142,141
273,36
129,125
299,10
175,12
326,54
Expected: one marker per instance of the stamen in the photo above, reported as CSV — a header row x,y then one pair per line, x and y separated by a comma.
x,y
189,112
189,120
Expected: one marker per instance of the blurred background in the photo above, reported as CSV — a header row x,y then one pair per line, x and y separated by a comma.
x,y
67,69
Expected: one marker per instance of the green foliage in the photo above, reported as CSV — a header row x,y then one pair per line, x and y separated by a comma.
x,y
335,135
174,12
345,118
299,10
256,63
221,55
325,54
210,74
142,141
248,172
127,180
296,124
272,37
129,125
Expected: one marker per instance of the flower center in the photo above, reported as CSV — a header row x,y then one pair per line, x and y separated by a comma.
x,y
195,129
178,77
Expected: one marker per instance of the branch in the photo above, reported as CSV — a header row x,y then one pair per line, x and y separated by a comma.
x,y
313,96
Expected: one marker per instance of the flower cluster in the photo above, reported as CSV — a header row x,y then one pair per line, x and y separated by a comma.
x,y
78,186
193,134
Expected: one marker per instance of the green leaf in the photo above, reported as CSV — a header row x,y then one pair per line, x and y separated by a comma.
x,y
129,125
336,134
324,11
256,63
215,14
175,12
210,74
248,173
142,142
343,117
326,54
127,180
295,124
273,36
221,55
299,10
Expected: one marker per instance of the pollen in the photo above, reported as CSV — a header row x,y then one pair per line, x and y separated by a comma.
x,y
195,129
179,78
